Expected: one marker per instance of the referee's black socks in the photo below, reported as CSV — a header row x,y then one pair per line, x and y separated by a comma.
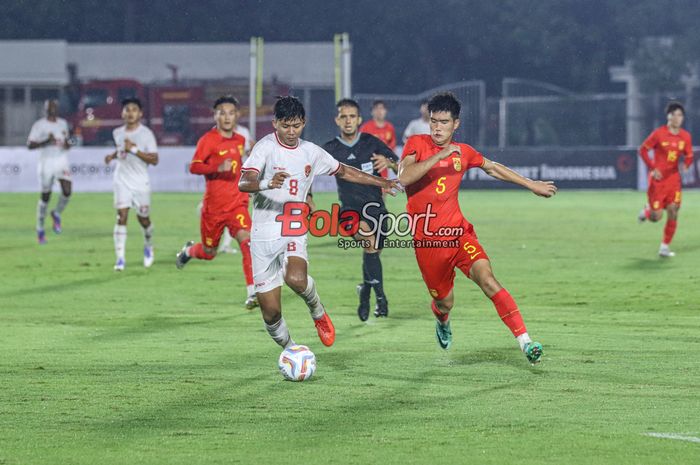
x,y
372,270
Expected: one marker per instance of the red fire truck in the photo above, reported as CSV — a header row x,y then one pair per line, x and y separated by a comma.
x,y
177,112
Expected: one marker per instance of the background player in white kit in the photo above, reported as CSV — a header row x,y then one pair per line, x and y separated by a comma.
x,y
50,134
136,149
281,169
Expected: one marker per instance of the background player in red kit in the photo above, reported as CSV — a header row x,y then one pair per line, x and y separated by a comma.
x,y
668,142
380,128
218,158
431,168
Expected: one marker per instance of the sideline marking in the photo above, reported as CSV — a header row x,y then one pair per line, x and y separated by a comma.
x,y
676,436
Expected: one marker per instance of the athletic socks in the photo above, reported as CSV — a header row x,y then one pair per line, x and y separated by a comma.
x,y
247,262
250,289
148,236
119,240
441,317
41,208
523,339
669,231
508,311
313,301
62,202
279,332
197,251
372,271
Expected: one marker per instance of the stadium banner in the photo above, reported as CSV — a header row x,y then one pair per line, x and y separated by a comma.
x,y
569,168
19,171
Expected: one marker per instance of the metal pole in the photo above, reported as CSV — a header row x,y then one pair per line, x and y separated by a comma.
x,y
252,109
347,63
260,50
502,107
337,69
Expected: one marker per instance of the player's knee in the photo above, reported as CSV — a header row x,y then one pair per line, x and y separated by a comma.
x,y
655,216
121,218
487,282
445,305
45,196
296,281
271,315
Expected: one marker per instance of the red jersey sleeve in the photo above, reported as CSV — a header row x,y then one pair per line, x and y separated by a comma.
x,y
201,161
647,145
688,150
411,148
473,158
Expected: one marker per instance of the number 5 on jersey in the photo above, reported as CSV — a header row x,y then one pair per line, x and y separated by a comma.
x,y
441,185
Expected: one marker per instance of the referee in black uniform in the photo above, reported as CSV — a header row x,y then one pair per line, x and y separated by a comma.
x,y
366,153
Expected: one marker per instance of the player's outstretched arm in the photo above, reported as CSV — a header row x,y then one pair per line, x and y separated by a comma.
x,y
503,173
411,171
250,182
350,174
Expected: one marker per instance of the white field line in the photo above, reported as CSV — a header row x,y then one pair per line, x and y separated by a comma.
x,y
676,436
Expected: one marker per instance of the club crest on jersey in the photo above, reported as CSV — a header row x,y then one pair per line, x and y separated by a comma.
x,y
434,293
681,145
307,170
457,162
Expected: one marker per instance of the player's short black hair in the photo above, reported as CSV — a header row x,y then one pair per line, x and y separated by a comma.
x,y
673,106
135,100
228,98
347,102
379,102
289,108
445,101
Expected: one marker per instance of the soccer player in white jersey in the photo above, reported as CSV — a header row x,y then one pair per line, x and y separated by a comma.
x,y
280,171
136,148
51,136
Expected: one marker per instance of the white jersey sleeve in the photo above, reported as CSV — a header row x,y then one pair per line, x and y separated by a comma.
x,y
35,133
257,158
325,163
149,142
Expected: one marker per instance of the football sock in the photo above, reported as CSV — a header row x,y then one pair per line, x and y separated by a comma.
x,y
441,317
119,240
279,332
40,214
148,236
251,290
313,301
647,211
508,311
247,262
62,202
523,339
197,251
669,231
373,265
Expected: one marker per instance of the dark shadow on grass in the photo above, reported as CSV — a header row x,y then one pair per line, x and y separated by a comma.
x,y
156,324
648,264
60,287
501,355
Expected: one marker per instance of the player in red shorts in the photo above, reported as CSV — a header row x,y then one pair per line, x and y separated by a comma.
x,y
431,169
668,142
218,159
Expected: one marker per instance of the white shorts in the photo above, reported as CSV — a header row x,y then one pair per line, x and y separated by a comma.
x,y
124,197
270,260
52,169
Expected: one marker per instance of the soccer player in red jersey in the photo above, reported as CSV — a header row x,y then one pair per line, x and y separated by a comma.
x,y
431,169
218,159
380,128
668,142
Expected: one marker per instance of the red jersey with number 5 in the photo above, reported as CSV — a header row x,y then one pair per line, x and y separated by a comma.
x,y
668,149
222,194
438,189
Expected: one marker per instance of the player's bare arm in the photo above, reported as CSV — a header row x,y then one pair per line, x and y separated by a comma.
x,y
411,171
380,163
350,174
37,145
149,158
250,182
110,157
503,173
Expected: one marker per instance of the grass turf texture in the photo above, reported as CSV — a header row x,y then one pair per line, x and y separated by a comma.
x,y
166,366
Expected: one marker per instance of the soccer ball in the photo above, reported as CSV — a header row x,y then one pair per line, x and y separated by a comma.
x,y
297,363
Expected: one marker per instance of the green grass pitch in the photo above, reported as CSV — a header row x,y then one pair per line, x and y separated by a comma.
x,y
163,366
